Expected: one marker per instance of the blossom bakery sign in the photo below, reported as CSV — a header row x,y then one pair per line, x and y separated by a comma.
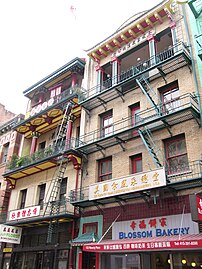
x,y
155,227
132,183
28,212
10,234
196,207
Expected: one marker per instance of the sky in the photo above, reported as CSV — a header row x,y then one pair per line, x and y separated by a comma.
x,y
40,36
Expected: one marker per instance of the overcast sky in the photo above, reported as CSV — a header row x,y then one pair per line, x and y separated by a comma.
x,y
39,36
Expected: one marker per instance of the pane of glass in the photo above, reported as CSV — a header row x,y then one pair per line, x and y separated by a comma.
x,y
181,147
172,149
138,166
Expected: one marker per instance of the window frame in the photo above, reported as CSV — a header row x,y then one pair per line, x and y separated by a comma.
x,y
41,195
23,196
105,117
170,141
170,88
100,162
63,193
5,150
134,160
90,224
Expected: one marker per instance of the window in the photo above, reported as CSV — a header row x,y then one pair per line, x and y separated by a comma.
x,y
106,123
170,96
105,169
176,155
136,161
5,153
42,145
23,194
135,109
42,189
63,190
90,227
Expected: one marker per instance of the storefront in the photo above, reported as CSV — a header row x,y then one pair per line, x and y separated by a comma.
x,y
175,252
164,242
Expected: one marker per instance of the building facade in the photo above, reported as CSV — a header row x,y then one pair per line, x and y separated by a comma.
x,y
9,145
142,117
46,170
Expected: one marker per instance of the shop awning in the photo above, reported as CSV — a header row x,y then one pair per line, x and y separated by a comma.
x,y
147,244
84,238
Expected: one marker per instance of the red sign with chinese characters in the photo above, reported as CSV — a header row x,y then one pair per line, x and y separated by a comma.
x,y
176,242
199,207
28,212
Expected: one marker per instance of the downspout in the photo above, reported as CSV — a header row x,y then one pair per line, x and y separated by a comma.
x,y
193,66
78,168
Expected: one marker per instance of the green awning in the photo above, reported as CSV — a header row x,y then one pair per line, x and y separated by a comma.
x,y
83,239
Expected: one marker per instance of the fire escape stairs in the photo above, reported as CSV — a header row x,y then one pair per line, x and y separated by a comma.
x,y
52,205
145,132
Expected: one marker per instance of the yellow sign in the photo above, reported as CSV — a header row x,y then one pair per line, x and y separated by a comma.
x,y
6,250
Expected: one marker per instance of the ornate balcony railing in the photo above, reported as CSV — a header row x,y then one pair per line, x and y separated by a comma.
x,y
181,176
63,207
145,117
199,45
143,67
21,162
52,102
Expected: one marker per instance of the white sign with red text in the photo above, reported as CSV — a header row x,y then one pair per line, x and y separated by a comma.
x,y
155,227
10,234
28,212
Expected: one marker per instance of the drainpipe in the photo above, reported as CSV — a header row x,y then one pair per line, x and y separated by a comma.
x,y
193,66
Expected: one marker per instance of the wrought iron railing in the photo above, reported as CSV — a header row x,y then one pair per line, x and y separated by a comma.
x,y
20,162
136,70
142,118
65,95
181,173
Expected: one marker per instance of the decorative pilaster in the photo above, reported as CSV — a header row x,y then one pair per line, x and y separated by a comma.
x,y
74,79
115,70
174,36
152,48
35,136
100,73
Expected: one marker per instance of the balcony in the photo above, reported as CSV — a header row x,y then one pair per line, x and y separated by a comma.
x,y
199,45
185,108
46,116
162,64
39,161
42,214
182,177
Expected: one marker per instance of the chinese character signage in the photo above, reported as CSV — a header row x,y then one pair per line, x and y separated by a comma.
x,y
117,246
28,212
154,227
196,207
131,183
10,234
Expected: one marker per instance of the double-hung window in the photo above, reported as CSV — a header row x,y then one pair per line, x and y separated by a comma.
x,y
170,96
23,195
42,189
106,122
176,155
105,169
136,161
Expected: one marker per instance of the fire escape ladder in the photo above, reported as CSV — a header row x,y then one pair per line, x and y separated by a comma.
x,y
62,127
148,141
148,92
52,205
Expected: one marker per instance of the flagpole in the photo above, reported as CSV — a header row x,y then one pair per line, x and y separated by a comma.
x,y
109,228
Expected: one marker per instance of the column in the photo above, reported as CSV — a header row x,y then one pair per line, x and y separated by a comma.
x,y
116,63
152,49
100,73
97,260
35,136
74,79
69,133
174,36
